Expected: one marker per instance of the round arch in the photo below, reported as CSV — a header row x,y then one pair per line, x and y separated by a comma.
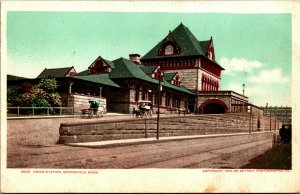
x,y
213,106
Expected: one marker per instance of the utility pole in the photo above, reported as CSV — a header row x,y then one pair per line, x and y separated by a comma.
x,y
243,97
160,75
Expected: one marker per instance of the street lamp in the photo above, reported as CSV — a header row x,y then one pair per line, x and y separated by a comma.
x,y
160,76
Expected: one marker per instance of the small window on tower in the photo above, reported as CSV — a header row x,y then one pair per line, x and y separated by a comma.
x,y
169,50
210,55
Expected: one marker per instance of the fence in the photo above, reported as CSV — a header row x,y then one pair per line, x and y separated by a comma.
x,y
39,111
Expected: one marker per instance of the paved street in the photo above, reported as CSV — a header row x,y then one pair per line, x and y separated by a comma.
x,y
37,148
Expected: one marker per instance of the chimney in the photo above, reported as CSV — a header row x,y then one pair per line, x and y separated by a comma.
x,y
135,58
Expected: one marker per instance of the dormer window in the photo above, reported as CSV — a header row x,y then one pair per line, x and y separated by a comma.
x,y
99,67
169,50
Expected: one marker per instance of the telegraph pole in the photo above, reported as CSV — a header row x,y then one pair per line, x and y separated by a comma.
x,y
158,108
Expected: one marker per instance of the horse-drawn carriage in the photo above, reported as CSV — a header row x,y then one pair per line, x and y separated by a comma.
x,y
144,109
95,110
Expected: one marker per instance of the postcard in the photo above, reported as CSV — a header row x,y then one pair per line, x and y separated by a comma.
x,y
150,96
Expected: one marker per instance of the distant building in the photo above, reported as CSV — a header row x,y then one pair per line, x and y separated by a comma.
x,y
284,114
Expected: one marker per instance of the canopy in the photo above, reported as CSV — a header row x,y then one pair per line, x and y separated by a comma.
x,y
95,101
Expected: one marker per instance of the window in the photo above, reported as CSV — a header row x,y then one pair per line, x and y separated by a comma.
x,y
210,55
169,50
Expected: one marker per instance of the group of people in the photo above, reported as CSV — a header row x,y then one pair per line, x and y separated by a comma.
x,y
285,133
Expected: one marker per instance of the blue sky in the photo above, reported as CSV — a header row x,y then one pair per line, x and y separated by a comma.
x,y
255,49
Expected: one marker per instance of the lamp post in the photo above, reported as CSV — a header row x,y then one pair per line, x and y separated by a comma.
x,y
160,75
243,97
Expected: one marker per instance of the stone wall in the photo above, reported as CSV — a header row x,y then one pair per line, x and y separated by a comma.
x,y
188,77
169,126
118,101
265,122
78,101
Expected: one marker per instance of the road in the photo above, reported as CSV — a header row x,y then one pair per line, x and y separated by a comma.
x,y
215,152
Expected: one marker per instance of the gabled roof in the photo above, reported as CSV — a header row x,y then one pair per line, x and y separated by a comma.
x,y
169,76
55,73
188,43
111,64
98,78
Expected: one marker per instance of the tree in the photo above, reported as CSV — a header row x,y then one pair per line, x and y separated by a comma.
x,y
13,95
48,85
41,95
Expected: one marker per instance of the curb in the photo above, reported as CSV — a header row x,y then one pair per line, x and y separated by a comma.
x,y
129,142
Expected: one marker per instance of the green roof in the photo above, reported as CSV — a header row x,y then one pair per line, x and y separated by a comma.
x,y
54,73
169,76
98,78
188,43
85,72
125,68
204,45
147,69
111,64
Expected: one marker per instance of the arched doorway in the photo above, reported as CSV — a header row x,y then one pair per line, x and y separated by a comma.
x,y
213,106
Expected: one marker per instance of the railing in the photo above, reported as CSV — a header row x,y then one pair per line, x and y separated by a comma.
x,y
39,111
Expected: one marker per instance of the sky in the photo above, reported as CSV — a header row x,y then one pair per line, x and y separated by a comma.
x,y
254,49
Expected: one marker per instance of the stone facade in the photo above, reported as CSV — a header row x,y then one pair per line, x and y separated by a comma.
x,y
233,101
82,101
170,126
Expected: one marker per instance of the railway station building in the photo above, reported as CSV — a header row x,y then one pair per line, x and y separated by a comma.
x,y
189,73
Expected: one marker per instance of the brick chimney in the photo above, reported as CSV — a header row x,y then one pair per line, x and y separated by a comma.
x,y
135,58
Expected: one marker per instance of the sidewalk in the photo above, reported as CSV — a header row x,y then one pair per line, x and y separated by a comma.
x,y
125,142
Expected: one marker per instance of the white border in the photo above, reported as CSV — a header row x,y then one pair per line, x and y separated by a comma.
x,y
154,180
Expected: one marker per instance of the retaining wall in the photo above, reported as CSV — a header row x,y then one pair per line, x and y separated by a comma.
x,y
98,130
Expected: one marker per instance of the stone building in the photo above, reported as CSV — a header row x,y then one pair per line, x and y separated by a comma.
x,y
118,84
194,62
190,79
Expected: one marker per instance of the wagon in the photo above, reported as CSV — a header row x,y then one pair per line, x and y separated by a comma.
x,y
95,110
144,109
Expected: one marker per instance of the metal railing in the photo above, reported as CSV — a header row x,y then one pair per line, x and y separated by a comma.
x,y
39,111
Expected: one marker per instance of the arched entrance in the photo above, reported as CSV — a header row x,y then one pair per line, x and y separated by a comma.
x,y
213,106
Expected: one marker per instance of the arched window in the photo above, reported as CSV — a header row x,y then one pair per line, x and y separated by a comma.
x,y
169,50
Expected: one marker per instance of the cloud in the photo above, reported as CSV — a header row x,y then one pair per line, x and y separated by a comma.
x,y
260,94
268,77
239,65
